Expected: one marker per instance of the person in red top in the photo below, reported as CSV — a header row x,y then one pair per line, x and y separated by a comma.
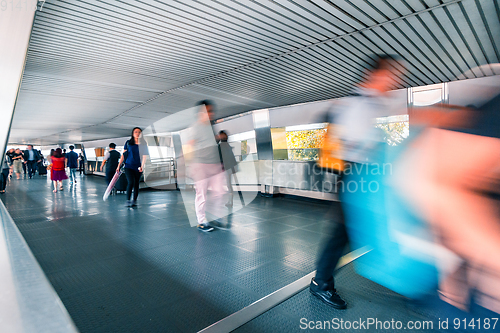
x,y
58,172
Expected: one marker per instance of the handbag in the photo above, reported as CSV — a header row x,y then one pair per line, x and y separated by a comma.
x,y
330,152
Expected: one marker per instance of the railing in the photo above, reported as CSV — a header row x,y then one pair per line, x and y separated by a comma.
x,y
161,171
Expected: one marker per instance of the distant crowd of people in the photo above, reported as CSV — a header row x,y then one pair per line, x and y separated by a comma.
x,y
31,161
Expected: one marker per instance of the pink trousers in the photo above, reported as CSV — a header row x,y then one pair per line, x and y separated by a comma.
x,y
207,176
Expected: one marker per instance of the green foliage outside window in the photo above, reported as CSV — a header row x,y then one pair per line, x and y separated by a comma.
x,y
304,145
396,128
244,147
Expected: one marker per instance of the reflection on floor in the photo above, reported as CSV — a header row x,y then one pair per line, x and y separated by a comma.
x,y
118,269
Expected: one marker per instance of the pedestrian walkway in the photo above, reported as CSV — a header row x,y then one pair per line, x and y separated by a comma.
x,y
120,269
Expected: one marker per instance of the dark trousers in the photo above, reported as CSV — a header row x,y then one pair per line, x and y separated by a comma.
x,y
81,166
332,251
3,179
109,176
333,246
133,177
31,166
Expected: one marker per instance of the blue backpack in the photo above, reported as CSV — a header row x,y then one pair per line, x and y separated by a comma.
x,y
381,220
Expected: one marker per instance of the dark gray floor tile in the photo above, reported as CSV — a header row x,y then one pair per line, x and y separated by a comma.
x,y
102,306
301,236
236,235
270,227
273,246
268,278
295,221
40,233
54,243
80,279
146,270
271,321
146,321
305,259
63,259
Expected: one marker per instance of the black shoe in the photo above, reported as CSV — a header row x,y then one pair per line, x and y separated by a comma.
x,y
205,227
327,294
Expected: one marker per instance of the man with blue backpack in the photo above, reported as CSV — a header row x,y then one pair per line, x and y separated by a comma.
x,y
359,140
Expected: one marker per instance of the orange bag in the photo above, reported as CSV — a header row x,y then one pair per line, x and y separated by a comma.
x,y
330,153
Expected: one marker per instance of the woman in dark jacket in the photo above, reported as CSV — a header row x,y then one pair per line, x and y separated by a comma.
x,y
134,155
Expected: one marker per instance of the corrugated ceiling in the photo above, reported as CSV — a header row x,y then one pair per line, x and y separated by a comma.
x,y
97,68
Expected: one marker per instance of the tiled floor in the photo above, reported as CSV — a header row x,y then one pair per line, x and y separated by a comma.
x,y
118,269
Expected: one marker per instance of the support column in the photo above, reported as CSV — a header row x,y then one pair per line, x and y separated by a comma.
x,y
15,31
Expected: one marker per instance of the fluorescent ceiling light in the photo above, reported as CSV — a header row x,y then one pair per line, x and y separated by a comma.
x,y
307,127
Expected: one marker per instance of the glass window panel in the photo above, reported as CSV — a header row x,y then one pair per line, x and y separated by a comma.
x,y
396,128
427,97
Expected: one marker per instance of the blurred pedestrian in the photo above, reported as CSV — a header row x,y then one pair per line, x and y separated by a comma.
x,y
4,176
31,159
9,155
135,153
58,169
23,165
228,164
450,175
17,160
359,138
49,158
81,163
72,163
206,168
111,161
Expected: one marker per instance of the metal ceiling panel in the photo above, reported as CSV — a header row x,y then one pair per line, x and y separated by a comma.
x,y
215,13
309,16
94,65
70,69
126,30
